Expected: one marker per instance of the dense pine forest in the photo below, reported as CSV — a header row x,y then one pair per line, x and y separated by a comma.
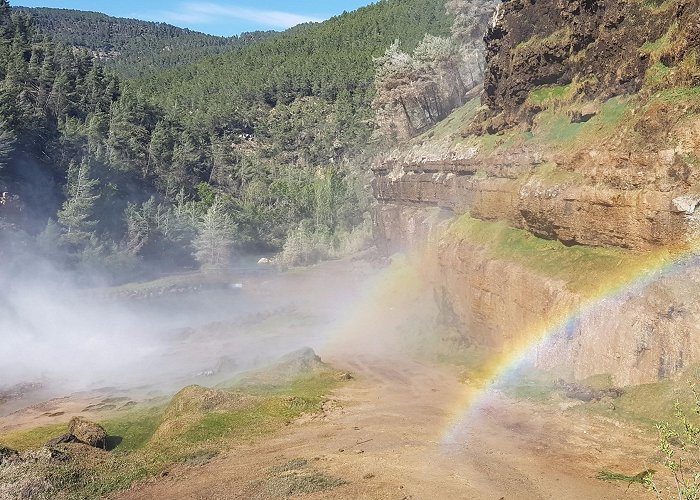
x,y
263,148
130,47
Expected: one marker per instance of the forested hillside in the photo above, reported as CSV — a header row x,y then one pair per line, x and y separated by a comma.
x,y
263,148
131,47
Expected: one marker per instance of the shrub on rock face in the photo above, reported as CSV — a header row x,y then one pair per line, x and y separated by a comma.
x,y
88,432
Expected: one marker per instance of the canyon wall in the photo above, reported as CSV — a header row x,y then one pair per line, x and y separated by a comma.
x,y
638,337
629,182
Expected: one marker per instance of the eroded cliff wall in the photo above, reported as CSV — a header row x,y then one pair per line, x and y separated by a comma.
x,y
581,164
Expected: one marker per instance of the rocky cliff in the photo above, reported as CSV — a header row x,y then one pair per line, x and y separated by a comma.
x,y
585,158
606,48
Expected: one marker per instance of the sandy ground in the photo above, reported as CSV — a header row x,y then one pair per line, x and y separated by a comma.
x,y
384,438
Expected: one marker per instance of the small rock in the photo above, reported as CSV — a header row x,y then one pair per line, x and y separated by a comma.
x,y
66,438
368,476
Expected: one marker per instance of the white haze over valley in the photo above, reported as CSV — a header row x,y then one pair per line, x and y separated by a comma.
x,y
67,338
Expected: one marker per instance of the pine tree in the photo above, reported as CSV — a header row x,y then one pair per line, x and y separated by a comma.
x,y
76,214
214,237
7,143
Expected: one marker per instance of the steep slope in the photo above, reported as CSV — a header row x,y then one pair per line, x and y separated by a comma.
x,y
132,47
328,61
576,181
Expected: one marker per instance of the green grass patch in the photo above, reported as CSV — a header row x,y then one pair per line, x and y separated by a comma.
x,y
530,390
135,428
656,75
554,127
293,464
192,436
612,112
643,405
33,438
551,94
282,404
641,478
658,47
306,483
677,95
557,38
296,477
557,128
490,143
583,269
648,404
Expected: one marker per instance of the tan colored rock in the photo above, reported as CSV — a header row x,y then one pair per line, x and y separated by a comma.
x,y
88,432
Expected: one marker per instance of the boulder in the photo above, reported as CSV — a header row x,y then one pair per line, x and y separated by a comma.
x,y
88,432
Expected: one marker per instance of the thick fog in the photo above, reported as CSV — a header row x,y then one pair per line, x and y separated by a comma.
x,y
66,338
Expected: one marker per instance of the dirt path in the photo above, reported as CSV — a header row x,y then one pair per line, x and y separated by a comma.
x,y
384,439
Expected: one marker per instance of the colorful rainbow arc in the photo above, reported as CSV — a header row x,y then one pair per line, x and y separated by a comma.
x,y
497,369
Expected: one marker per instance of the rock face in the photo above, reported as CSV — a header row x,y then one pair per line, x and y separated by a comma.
x,y
639,218
599,42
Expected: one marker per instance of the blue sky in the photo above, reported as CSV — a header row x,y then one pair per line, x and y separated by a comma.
x,y
217,17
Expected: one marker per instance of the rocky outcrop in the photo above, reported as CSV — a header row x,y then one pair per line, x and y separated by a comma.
x,y
531,194
599,43
638,335
87,432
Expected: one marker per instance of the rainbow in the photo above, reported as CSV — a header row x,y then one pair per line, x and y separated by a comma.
x,y
497,369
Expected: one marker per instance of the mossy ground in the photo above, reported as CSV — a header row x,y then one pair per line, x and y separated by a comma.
x,y
586,270
648,404
296,477
551,93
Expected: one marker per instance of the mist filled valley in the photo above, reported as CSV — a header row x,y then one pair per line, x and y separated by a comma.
x,y
417,250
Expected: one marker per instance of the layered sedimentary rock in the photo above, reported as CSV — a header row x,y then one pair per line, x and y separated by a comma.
x,y
638,335
572,212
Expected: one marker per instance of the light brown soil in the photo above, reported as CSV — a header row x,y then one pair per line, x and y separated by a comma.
x,y
384,438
